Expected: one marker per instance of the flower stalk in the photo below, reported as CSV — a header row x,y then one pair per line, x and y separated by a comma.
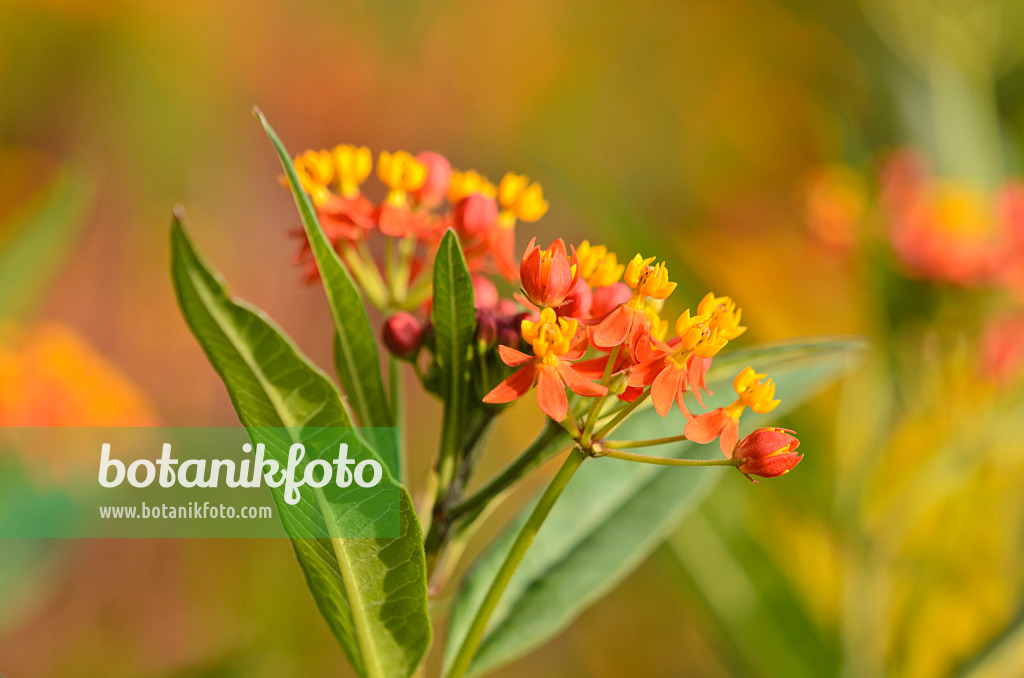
x,y
526,535
614,453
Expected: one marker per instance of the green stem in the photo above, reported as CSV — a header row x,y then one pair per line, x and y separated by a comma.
x,y
526,461
570,425
398,410
668,461
621,416
620,444
454,479
595,409
515,555
449,454
406,247
390,271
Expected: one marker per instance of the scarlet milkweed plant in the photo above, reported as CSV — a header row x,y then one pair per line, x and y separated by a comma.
x,y
483,324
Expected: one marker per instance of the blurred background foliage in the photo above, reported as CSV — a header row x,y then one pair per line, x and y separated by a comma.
x,y
743,140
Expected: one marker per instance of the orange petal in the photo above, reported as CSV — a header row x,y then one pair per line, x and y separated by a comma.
x,y
579,347
577,383
551,393
512,357
665,387
706,427
560,278
529,274
614,329
696,369
593,368
680,401
730,434
645,373
516,386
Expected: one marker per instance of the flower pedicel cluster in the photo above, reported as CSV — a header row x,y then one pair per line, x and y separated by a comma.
x,y
582,322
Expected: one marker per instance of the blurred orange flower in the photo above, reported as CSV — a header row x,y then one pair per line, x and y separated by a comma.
x,y
49,376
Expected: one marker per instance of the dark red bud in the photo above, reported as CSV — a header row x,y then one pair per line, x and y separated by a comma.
x,y
486,329
402,335
508,337
768,452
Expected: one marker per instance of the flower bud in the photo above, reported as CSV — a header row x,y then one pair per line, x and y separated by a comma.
x,y
475,214
547,275
439,178
486,329
768,452
508,337
618,383
402,335
606,299
578,302
485,294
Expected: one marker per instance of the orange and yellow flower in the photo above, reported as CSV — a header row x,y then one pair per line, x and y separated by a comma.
x,y
724,422
402,174
628,323
547,275
554,345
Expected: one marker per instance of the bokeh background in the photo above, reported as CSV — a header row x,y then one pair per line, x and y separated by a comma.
x,y
748,142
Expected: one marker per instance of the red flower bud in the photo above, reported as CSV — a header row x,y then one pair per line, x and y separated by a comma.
x,y
485,294
486,329
508,337
547,275
768,452
439,178
606,299
475,215
402,335
578,302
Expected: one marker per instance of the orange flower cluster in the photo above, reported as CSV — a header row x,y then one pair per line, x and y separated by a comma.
x,y
422,197
586,308
590,323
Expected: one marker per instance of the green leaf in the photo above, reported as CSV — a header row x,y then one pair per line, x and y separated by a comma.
x,y
40,239
614,513
355,348
372,592
453,316
740,587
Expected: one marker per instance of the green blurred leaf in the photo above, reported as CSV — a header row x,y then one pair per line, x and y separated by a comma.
x,y
40,239
614,513
355,348
741,588
372,592
453,316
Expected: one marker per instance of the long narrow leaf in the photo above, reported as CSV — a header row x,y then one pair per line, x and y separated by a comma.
x,y
453,316
372,592
356,356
